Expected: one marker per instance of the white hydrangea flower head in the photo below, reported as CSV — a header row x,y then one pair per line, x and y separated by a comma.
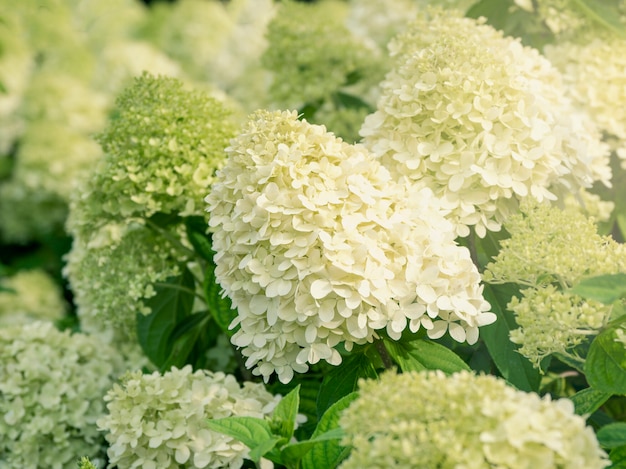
x,y
157,421
481,120
463,420
52,386
31,295
593,70
316,245
552,321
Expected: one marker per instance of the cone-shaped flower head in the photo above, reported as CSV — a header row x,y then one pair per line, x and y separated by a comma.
x,y
481,120
158,421
316,245
463,420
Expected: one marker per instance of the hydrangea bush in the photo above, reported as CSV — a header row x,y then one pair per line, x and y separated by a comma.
x,y
302,235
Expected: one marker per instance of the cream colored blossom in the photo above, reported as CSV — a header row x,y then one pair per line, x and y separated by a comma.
x,y
52,386
463,421
30,295
594,71
552,321
157,421
481,120
316,245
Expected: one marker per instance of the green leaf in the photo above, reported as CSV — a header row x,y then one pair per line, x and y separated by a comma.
x,y
199,238
346,100
251,431
603,288
605,366
618,457
285,413
263,448
330,453
588,400
343,380
220,307
419,355
515,368
612,435
605,13
292,454
172,303
183,339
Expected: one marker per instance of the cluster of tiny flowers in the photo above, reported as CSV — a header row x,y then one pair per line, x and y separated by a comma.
x,y
312,54
481,120
463,420
111,282
30,295
316,245
160,155
594,72
157,421
550,245
591,205
52,386
554,322
549,251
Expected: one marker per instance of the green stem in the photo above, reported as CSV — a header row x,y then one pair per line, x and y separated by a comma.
x,y
384,354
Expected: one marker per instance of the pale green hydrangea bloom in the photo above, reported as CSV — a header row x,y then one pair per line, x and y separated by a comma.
x,y
481,120
316,245
591,205
157,421
550,245
549,251
52,386
112,281
32,295
554,322
463,420
161,150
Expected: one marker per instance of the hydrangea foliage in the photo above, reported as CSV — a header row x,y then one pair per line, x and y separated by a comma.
x,y
52,386
316,245
464,420
157,421
481,120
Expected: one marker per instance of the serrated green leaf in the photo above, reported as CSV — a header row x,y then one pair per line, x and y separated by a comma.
x,y
588,400
605,365
603,288
251,431
612,435
330,453
515,368
199,238
285,413
220,307
419,355
292,453
172,303
343,380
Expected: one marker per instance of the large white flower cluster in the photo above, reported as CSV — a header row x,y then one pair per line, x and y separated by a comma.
x,y
159,421
464,421
316,245
52,386
481,120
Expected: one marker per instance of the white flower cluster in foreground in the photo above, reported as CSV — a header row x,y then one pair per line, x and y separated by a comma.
x,y
316,245
463,421
481,120
51,389
159,421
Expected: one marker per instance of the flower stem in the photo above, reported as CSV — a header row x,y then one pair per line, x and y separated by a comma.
x,y
384,354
